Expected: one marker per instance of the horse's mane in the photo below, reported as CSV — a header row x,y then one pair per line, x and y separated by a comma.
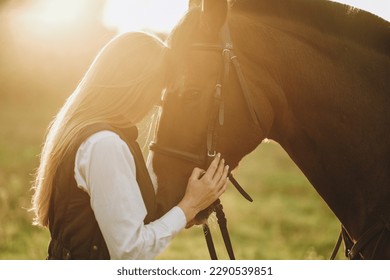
x,y
329,17
326,16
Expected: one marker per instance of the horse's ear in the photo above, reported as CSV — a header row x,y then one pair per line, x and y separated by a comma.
x,y
214,13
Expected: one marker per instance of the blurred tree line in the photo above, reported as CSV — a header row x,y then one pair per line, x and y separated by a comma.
x,y
40,57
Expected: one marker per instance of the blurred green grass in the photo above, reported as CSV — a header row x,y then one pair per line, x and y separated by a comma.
x,y
23,124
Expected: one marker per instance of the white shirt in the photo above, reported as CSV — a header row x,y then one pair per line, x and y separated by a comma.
x,y
105,169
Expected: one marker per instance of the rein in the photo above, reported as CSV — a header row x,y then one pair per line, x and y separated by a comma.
x,y
217,118
353,249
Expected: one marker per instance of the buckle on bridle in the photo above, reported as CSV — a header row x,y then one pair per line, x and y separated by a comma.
x,y
211,153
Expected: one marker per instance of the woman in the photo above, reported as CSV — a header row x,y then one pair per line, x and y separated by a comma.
x,y
92,189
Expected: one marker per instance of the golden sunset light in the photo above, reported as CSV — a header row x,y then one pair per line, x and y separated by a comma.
x,y
129,15
154,15
161,16
308,78
58,11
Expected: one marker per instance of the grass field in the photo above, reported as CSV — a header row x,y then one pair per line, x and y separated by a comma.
x,y
287,220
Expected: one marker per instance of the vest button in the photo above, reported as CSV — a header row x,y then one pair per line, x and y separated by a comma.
x,y
95,247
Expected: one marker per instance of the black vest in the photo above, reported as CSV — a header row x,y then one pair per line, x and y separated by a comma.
x,y
75,233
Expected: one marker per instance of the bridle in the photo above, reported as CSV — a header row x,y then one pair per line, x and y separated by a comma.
x,y
217,119
217,115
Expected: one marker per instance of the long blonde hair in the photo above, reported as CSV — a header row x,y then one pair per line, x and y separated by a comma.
x,y
120,88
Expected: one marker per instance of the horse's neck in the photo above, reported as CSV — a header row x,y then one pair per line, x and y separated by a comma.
x,y
334,118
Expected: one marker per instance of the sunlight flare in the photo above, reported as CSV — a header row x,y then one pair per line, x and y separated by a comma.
x,y
161,16
131,15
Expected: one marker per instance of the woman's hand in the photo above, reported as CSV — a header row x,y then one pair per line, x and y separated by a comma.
x,y
202,191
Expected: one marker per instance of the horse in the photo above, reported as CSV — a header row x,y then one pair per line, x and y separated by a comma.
x,y
310,75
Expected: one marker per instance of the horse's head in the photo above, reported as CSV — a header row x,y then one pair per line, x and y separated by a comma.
x,y
204,109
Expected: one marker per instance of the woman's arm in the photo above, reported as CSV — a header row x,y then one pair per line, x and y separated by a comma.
x,y
105,169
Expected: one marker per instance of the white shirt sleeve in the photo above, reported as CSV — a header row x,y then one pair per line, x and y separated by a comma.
x,y
105,169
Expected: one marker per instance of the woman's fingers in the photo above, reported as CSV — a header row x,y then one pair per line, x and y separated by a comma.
x,y
223,179
213,167
196,173
223,188
204,187
218,173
